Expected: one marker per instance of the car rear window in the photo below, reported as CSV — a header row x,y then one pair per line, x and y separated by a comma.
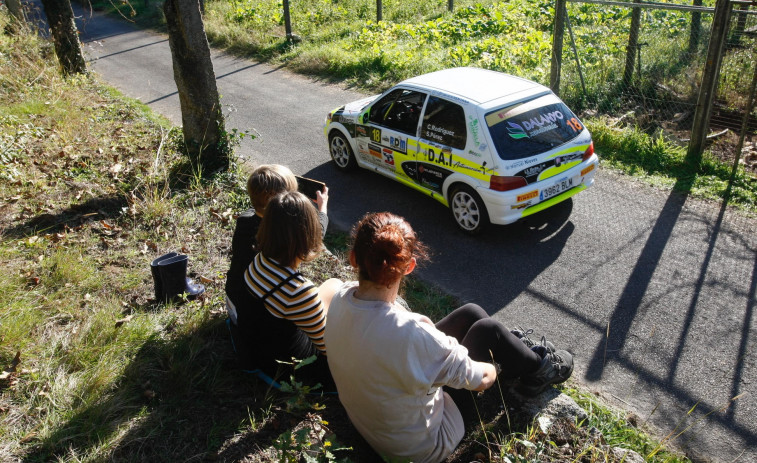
x,y
532,127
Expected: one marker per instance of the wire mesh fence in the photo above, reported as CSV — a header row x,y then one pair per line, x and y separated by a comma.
x,y
646,67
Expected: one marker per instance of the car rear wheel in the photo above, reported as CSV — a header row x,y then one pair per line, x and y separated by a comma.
x,y
469,210
341,152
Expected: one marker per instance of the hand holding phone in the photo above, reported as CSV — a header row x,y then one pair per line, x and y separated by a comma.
x,y
310,187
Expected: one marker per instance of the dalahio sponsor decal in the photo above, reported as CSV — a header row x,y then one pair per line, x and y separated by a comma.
x,y
531,127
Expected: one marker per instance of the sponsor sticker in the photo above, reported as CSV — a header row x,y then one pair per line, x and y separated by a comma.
x,y
527,196
389,157
473,124
398,144
375,151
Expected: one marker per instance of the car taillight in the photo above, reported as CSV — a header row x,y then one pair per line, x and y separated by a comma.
x,y
498,183
589,152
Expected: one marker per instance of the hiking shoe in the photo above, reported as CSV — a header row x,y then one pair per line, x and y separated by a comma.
x,y
524,335
556,367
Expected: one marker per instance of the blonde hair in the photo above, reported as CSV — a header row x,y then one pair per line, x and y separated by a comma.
x,y
266,181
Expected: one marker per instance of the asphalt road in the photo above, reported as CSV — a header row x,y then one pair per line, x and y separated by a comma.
x,y
653,292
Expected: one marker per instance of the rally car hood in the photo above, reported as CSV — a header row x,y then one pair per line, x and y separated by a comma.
x,y
356,106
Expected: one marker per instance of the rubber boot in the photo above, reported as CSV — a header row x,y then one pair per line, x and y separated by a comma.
x,y
173,273
158,282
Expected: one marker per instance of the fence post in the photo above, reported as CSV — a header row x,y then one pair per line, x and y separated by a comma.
x,y
696,25
709,85
378,10
557,38
633,44
287,20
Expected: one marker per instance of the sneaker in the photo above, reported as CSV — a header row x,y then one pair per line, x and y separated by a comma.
x,y
524,335
556,367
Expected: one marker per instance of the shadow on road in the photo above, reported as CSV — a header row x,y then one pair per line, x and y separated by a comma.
x,y
618,327
512,255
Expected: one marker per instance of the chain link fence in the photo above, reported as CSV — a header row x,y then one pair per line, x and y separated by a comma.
x,y
646,65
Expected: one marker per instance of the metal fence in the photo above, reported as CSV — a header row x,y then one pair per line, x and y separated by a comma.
x,y
683,71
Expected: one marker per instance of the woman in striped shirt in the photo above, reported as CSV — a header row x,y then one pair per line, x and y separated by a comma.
x,y
288,315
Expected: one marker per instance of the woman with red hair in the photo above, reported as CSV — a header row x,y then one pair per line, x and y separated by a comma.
x,y
390,365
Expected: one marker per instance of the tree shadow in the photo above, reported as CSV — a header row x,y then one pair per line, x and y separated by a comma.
x,y
618,329
178,399
76,215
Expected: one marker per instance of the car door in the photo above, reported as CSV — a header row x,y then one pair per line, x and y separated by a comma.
x,y
442,144
387,139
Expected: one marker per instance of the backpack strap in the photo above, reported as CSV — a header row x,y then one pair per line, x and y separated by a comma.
x,y
278,286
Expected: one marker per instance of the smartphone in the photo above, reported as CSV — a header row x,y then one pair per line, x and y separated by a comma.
x,y
309,187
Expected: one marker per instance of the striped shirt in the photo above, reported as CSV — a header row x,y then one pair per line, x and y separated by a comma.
x,y
287,294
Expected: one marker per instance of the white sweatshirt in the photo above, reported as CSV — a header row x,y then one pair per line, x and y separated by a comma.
x,y
389,365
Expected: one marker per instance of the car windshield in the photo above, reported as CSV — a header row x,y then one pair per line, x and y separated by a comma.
x,y
532,127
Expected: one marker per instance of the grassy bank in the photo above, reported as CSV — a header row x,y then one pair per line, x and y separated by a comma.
x,y
93,187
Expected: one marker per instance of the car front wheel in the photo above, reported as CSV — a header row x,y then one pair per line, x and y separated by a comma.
x,y
341,152
469,210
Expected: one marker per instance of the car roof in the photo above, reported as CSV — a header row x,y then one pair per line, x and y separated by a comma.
x,y
477,85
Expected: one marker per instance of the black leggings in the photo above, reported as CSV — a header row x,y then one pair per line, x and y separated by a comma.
x,y
486,339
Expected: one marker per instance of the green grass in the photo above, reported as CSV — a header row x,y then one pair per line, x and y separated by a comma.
x,y
663,163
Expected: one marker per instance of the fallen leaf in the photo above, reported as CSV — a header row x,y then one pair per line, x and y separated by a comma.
x,y
28,438
106,225
124,320
116,168
205,280
12,367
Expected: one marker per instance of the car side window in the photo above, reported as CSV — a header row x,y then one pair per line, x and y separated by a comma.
x,y
399,110
444,123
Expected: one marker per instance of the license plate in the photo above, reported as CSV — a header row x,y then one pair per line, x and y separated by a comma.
x,y
557,188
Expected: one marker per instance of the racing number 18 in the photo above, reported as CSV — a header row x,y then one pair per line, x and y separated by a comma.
x,y
376,135
574,124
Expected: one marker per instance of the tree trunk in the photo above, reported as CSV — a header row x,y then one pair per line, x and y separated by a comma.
x,y
201,114
60,17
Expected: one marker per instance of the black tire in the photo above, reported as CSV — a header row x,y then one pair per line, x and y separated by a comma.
x,y
341,152
468,210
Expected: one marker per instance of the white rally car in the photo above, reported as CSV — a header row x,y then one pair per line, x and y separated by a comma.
x,y
492,147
